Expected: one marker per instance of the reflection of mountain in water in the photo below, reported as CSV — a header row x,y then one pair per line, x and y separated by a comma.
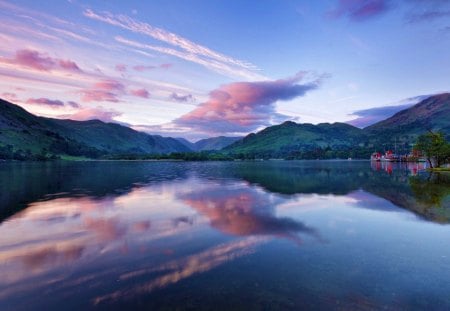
x,y
394,184
24,183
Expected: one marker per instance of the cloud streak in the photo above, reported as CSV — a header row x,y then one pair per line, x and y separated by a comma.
x,y
359,10
185,48
45,102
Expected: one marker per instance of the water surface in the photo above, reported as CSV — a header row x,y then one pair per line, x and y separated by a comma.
x,y
272,235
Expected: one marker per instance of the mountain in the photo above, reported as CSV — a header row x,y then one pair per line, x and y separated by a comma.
x,y
207,144
289,138
24,133
432,113
292,140
186,143
215,143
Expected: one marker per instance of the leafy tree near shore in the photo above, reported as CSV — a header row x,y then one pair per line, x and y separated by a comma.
x,y
435,147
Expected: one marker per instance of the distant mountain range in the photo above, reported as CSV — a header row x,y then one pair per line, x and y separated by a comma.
x,y
292,140
207,144
23,135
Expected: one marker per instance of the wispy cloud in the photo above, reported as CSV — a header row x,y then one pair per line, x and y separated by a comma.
x,y
185,48
151,67
46,102
216,66
428,16
359,10
121,67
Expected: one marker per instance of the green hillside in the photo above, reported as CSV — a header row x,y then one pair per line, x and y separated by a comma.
x,y
24,135
291,139
339,140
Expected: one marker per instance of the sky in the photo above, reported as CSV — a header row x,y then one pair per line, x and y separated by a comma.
x,y
197,69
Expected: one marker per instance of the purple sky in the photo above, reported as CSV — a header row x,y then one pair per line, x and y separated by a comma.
x,y
197,69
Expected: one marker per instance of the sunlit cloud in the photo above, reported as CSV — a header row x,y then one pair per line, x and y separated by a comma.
x,y
244,106
40,61
140,93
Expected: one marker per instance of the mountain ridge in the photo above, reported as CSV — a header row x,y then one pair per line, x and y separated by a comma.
x,y
25,133
293,140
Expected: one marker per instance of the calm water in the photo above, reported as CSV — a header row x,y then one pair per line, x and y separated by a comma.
x,y
223,236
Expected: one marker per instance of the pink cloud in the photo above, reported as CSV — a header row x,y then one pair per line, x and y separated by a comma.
x,y
45,102
105,90
34,59
109,85
41,61
140,93
358,10
244,106
10,96
88,96
166,66
69,65
97,113
151,67
143,67
121,67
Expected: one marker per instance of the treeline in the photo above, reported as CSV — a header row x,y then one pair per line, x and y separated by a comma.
x,y
182,156
309,154
9,153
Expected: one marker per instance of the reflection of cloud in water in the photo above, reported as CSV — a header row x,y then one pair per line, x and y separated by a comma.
x,y
240,210
179,269
48,235
51,256
106,229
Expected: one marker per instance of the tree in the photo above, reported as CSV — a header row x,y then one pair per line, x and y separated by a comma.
x,y
435,148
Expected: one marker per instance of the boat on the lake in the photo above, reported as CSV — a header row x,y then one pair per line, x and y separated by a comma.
x,y
376,156
389,156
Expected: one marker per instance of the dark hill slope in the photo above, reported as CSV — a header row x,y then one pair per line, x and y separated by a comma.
x,y
30,134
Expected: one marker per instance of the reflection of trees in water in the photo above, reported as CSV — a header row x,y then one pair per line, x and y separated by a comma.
x,y
431,189
342,178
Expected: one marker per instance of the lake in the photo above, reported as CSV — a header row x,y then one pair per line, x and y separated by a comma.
x,y
269,235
